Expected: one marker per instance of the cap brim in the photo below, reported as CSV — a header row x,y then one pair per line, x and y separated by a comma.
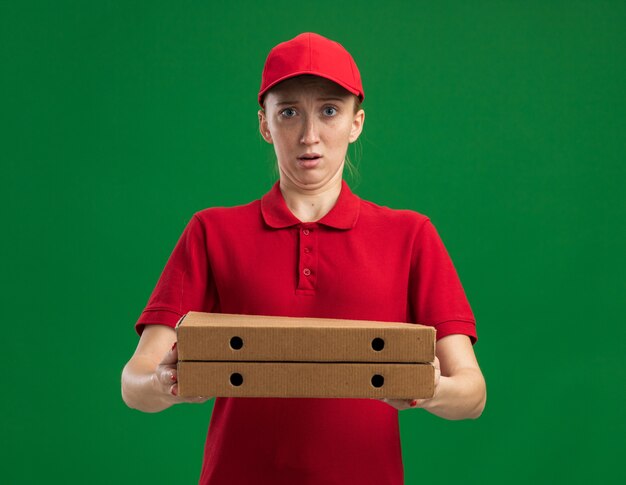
x,y
349,88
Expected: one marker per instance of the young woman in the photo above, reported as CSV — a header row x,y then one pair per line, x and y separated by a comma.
x,y
309,247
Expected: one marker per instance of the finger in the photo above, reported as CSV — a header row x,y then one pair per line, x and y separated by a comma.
x,y
399,404
192,399
166,375
437,366
411,403
198,400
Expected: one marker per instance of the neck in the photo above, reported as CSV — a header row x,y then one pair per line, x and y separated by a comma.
x,y
311,205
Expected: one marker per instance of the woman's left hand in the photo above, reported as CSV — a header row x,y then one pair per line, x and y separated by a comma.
x,y
401,404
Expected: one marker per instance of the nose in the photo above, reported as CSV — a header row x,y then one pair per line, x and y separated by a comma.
x,y
311,132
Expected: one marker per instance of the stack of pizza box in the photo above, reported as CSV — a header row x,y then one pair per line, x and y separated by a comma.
x,y
230,355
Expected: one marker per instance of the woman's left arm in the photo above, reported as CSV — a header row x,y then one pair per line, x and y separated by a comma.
x,y
460,390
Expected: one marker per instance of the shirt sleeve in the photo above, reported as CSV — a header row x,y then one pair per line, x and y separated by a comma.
x,y
436,296
186,283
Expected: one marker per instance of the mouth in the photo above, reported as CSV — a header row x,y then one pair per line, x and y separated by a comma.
x,y
309,161
310,156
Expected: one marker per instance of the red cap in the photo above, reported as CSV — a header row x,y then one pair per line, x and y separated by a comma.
x,y
310,53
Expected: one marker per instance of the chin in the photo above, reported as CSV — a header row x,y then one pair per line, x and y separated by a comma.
x,y
308,179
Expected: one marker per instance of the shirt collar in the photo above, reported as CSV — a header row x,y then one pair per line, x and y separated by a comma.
x,y
343,215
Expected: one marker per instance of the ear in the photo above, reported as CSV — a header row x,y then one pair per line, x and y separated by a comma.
x,y
357,125
264,127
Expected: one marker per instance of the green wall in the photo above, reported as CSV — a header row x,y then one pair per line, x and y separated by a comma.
x,y
501,121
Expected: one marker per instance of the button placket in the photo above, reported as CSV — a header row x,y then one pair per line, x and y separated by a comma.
x,y
307,260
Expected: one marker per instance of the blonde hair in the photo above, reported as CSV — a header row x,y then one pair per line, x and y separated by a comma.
x,y
350,167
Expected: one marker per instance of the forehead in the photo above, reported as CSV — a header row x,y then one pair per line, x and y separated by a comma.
x,y
305,85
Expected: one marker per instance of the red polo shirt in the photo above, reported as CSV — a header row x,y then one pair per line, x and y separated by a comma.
x,y
360,261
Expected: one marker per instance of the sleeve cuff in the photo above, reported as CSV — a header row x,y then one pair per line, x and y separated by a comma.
x,y
451,327
157,316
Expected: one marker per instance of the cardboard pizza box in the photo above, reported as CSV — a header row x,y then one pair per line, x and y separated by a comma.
x,y
231,337
231,355
306,379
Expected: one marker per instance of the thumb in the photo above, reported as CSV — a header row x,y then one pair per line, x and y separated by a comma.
x,y
171,357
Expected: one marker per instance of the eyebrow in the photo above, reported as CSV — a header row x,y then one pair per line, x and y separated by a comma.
x,y
334,98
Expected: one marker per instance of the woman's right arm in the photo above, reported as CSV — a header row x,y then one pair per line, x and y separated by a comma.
x,y
149,381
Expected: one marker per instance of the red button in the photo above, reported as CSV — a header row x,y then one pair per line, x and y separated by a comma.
x,y
306,271
307,250
305,232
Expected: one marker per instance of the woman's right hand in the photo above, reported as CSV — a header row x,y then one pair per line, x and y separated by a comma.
x,y
167,378
149,380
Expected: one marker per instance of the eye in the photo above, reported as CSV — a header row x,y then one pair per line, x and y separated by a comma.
x,y
326,110
288,110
